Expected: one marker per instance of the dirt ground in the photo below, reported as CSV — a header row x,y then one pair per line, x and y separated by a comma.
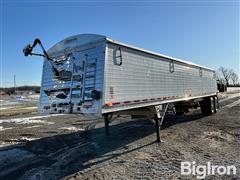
x,y
34,146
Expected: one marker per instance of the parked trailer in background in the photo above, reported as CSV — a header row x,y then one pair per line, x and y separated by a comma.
x,y
93,74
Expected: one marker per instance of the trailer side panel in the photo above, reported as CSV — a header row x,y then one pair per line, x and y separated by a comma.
x,y
133,77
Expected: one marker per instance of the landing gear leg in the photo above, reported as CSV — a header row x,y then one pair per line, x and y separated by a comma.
x,y
157,129
159,117
106,121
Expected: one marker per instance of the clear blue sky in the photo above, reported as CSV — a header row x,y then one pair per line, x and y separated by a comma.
x,y
205,33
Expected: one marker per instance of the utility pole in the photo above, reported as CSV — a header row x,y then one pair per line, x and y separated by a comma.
x,y
14,81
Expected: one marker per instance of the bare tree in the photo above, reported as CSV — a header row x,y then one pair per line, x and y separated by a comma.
x,y
226,74
219,77
234,78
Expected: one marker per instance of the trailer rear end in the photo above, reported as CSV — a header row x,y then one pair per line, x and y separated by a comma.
x,y
77,85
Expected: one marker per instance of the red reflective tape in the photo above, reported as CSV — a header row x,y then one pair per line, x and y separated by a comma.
x,y
127,102
136,101
116,103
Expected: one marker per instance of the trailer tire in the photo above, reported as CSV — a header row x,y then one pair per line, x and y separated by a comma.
x,y
208,106
216,104
212,105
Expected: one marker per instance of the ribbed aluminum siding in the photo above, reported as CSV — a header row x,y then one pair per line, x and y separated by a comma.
x,y
145,76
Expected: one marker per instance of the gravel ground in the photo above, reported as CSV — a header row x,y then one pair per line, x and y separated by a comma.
x,y
74,147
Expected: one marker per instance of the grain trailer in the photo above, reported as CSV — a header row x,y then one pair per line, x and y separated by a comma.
x,y
95,75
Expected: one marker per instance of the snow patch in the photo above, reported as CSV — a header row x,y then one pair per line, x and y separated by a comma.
x,y
29,127
71,129
8,103
25,139
3,129
29,120
3,108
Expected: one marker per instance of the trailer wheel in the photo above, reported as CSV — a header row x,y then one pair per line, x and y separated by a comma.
x,y
212,106
216,104
208,106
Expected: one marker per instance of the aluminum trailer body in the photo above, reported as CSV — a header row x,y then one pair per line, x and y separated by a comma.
x,y
97,75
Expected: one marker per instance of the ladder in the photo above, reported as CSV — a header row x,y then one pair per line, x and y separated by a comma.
x,y
89,80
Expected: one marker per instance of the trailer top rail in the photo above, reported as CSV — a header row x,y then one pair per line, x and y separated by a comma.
x,y
99,38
